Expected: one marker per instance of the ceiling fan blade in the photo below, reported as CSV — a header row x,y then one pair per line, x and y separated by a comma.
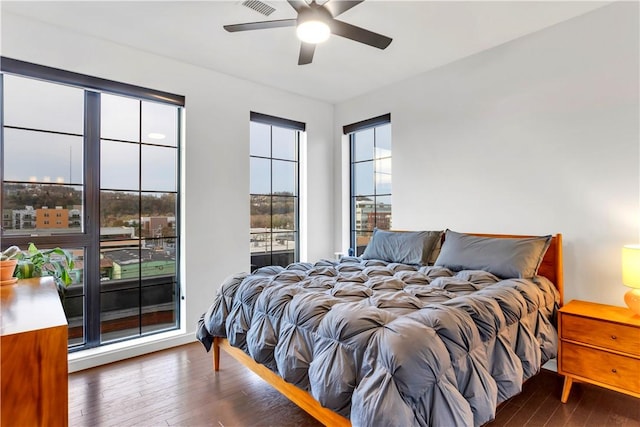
x,y
260,25
358,34
306,53
336,7
298,5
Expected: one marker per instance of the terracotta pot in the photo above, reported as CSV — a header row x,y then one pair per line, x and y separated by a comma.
x,y
7,268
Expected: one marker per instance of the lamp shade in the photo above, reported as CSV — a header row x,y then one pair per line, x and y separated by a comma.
x,y
631,266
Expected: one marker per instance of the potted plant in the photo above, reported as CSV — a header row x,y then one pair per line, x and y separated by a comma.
x,y
46,262
8,262
35,262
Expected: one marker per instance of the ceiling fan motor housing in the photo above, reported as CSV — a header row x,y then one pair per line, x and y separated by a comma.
x,y
315,12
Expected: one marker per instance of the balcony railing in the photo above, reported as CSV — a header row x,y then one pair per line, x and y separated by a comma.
x,y
127,307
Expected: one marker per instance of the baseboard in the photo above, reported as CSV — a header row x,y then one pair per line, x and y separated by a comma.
x,y
103,355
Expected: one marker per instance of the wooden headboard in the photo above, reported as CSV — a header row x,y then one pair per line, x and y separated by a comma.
x,y
551,266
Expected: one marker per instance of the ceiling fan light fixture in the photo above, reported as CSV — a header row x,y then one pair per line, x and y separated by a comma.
x,y
313,31
315,23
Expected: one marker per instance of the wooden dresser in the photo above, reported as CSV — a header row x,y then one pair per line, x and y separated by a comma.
x,y
33,348
599,344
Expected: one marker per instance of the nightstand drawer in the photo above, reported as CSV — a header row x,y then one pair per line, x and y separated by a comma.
x,y
607,368
600,333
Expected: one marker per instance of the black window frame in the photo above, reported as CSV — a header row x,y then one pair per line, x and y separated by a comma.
x,y
351,130
274,121
89,239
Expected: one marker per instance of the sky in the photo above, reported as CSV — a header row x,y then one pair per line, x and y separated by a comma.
x,y
58,157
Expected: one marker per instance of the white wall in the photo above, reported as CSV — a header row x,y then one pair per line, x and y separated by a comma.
x,y
540,135
537,136
216,149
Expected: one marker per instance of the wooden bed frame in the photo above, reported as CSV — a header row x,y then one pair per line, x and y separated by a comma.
x,y
551,268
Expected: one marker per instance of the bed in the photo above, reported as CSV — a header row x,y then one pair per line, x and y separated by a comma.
x,y
372,341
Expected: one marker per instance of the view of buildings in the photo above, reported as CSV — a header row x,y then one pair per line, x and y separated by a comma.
x,y
44,218
138,250
124,254
369,214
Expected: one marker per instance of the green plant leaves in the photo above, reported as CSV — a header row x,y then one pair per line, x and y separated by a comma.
x,y
56,262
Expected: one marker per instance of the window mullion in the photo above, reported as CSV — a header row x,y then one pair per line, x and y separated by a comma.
x,y
140,219
375,183
271,194
92,219
296,215
352,191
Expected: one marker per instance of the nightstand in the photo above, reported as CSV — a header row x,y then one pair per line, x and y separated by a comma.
x,y
599,344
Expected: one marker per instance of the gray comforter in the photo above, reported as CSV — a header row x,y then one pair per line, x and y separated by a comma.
x,y
391,344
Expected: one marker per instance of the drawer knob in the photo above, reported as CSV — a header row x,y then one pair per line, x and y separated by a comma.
x,y
614,370
613,337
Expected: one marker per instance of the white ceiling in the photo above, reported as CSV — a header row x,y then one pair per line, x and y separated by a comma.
x,y
426,35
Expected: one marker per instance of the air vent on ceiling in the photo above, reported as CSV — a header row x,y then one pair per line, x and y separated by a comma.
x,y
259,6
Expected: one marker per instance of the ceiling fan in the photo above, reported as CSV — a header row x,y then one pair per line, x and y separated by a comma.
x,y
315,23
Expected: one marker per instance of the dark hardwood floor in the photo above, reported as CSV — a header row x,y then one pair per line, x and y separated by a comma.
x,y
178,387
539,405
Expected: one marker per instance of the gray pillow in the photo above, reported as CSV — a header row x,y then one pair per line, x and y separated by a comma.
x,y
504,257
406,247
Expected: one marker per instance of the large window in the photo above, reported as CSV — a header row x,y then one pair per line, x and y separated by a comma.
x,y
274,147
370,151
91,166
